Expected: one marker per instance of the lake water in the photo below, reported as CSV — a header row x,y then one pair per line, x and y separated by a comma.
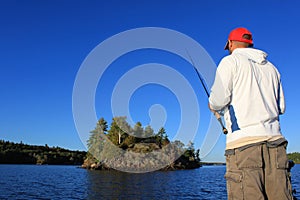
x,y
69,182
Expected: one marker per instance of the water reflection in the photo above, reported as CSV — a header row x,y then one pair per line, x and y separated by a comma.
x,y
121,185
204,183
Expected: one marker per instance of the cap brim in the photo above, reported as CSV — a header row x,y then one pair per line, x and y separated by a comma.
x,y
226,46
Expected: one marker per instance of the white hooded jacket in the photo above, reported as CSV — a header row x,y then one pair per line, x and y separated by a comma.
x,y
248,88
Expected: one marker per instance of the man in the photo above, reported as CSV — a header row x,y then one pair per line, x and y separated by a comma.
x,y
247,88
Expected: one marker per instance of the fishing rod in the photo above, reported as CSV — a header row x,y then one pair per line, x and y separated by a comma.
x,y
216,114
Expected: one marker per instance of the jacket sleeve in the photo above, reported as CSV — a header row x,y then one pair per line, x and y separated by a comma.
x,y
281,100
220,95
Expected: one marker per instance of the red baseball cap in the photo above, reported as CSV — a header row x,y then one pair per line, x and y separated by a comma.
x,y
237,35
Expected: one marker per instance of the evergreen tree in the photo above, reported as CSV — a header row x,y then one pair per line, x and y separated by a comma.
x,y
148,132
97,139
160,135
102,124
138,131
190,152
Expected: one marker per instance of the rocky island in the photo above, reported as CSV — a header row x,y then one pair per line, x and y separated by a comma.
x,y
142,149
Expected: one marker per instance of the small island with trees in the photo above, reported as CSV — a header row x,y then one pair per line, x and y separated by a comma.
x,y
125,147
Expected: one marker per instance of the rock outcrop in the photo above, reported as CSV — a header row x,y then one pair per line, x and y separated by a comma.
x,y
145,157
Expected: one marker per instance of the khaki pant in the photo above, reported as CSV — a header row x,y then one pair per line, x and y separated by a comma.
x,y
258,172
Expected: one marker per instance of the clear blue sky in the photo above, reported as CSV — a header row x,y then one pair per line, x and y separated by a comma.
x,y
43,44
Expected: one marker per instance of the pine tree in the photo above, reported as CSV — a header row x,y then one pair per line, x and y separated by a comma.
x,y
97,139
138,131
148,132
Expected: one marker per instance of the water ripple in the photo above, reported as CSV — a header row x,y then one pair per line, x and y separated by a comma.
x,y
69,182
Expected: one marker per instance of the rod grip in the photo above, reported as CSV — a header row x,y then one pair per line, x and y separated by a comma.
x,y
218,116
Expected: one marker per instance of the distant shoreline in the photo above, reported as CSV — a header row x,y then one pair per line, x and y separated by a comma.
x,y
19,153
213,163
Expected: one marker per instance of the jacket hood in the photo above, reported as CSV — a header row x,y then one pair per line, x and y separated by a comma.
x,y
256,55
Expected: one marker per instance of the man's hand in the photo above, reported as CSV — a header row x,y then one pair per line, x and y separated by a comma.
x,y
210,108
218,116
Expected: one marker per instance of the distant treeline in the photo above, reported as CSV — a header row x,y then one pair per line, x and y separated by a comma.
x,y
19,153
294,157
